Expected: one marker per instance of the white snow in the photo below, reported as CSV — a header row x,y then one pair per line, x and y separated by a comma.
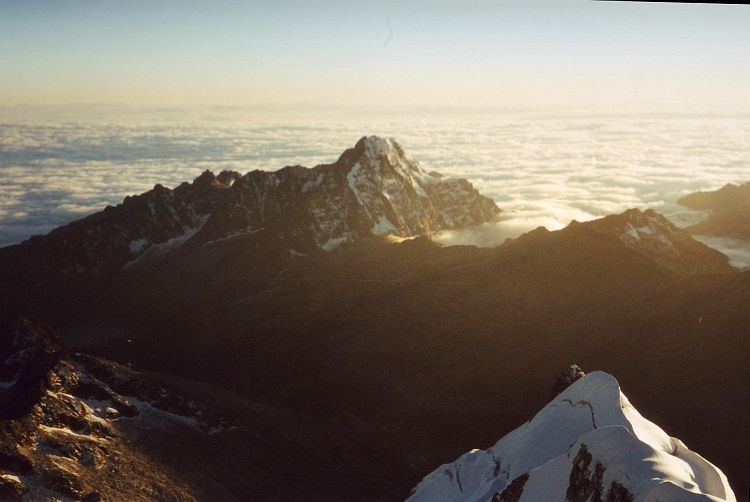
x,y
309,185
635,452
352,179
333,243
165,415
173,243
137,245
631,231
383,226
7,385
69,432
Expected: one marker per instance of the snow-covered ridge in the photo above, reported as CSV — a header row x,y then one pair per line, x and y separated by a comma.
x,y
589,443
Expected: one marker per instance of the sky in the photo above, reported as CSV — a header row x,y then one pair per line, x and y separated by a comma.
x,y
491,54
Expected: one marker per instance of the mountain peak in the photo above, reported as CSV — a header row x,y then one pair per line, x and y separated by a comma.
x,y
373,190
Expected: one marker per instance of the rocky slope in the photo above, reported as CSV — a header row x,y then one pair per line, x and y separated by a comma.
x,y
76,427
588,443
729,211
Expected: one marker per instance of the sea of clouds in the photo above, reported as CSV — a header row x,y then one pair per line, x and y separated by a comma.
x,y
541,169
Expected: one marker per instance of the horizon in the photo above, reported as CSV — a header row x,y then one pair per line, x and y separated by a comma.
x,y
543,54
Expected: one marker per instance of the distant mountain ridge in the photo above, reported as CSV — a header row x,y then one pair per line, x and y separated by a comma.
x,y
652,235
647,233
372,190
729,211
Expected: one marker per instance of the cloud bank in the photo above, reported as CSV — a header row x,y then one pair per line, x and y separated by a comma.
x,y
542,170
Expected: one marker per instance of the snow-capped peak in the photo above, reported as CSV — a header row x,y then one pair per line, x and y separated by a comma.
x,y
588,440
373,189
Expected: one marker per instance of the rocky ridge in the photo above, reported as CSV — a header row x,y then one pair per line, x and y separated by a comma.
x,y
729,211
64,431
373,189
654,236
79,428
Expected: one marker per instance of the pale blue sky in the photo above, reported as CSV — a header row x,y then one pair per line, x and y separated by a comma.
x,y
490,54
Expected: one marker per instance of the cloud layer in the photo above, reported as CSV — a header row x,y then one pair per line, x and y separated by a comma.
x,y
541,170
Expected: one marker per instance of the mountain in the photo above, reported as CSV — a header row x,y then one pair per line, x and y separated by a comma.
x,y
652,235
412,352
588,443
76,427
374,189
729,211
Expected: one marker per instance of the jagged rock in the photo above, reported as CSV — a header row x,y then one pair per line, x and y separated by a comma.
x,y
67,415
374,189
513,491
566,379
27,353
62,482
11,490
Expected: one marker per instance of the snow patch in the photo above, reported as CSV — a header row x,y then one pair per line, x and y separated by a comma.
x,y
383,226
7,385
631,231
333,243
173,243
137,245
309,185
166,415
12,477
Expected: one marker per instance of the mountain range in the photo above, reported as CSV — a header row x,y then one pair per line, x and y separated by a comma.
x,y
318,294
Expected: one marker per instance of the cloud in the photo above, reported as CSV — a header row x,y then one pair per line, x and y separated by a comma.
x,y
541,170
737,250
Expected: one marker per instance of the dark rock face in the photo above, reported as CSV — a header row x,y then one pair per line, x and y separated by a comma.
x,y
566,379
584,484
513,491
27,353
